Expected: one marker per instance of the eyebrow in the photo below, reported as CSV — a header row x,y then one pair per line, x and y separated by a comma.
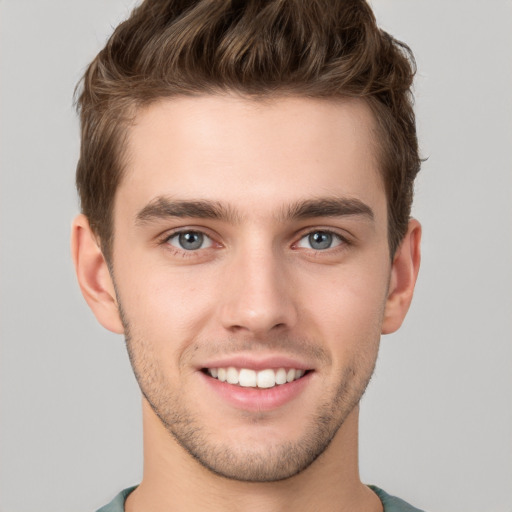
x,y
328,207
164,207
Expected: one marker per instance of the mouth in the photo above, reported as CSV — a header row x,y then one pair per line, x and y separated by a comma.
x,y
262,379
256,385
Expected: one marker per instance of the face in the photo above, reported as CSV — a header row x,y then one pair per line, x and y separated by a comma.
x,y
251,265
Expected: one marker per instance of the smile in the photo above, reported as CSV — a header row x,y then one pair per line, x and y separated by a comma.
x,y
247,378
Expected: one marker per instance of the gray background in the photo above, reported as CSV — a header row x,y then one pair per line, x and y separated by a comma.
x,y
436,423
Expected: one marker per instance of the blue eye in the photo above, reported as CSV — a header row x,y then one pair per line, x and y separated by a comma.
x,y
190,240
320,240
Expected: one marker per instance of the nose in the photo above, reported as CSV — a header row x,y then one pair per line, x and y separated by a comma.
x,y
258,296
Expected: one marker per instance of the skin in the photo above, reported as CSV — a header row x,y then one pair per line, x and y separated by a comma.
x,y
257,290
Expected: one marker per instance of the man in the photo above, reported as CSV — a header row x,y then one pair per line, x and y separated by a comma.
x,y
246,177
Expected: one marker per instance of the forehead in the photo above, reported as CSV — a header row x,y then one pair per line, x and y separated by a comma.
x,y
258,154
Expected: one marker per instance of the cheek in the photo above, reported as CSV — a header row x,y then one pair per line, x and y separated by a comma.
x,y
349,308
166,306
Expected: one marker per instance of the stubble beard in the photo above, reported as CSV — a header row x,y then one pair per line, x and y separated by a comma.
x,y
254,463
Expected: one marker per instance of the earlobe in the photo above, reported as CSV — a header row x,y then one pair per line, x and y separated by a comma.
x,y
94,276
404,272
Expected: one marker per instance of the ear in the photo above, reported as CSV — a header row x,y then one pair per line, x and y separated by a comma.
x,y
404,271
93,275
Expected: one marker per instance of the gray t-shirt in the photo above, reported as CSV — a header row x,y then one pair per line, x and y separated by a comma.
x,y
390,503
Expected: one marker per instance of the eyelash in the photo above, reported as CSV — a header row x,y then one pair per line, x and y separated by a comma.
x,y
343,242
184,252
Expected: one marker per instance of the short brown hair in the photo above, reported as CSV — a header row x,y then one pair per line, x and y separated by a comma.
x,y
311,48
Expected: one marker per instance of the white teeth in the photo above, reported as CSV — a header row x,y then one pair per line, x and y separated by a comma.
x,y
231,375
247,378
290,375
281,376
266,379
251,379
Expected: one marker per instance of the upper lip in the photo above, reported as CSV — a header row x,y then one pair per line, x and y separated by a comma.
x,y
257,363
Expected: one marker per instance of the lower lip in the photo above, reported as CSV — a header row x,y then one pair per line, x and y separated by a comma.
x,y
258,399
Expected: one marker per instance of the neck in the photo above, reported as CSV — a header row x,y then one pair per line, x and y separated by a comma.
x,y
174,481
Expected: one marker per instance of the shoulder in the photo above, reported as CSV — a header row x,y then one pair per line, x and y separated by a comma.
x,y
117,504
392,503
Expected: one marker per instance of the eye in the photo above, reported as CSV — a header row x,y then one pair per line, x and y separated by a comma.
x,y
320,240
190,240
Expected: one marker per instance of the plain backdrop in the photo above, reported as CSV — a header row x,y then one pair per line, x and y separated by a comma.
x,y
436,425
